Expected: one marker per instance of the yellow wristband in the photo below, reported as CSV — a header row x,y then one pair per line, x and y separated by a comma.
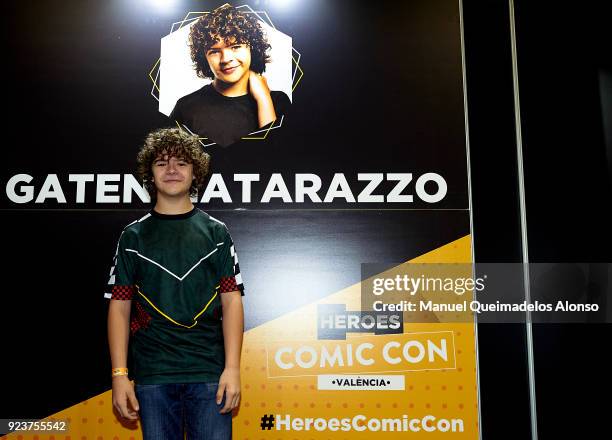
x,y
119,372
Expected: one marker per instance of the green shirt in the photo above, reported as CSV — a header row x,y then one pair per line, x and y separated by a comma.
x,y
174,269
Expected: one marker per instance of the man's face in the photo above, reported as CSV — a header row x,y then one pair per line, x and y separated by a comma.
x,y
229,61
172,176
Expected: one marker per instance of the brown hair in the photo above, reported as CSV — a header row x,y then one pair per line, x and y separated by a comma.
x,y
177,143
227,23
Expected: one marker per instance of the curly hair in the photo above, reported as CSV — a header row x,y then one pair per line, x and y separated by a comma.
x,y
230,25
177,143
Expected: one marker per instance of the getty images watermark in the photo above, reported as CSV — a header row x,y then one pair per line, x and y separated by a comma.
x,y
559,292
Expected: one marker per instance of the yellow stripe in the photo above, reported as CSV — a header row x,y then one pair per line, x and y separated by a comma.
x,y
172,320
297,66
151,74
267,131
207,304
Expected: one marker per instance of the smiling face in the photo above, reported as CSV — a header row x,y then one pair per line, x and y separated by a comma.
x,y
172,176
229,61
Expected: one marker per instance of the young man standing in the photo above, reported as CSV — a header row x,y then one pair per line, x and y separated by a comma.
x,y
229,47
175,291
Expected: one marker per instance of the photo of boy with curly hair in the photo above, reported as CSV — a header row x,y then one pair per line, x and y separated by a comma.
x,y
229,47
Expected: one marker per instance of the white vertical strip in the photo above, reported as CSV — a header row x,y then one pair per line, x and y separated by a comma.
x,y
523,214
469,182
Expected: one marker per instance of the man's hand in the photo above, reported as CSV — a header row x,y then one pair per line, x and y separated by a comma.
x,y
258,87
124,398
229,383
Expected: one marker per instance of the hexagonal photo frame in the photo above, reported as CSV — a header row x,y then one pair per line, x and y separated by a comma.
x,y
173,75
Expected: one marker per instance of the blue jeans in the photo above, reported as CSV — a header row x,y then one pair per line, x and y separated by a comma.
x,y
171,411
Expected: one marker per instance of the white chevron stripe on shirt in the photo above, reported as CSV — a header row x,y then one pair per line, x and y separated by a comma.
x,y
169,271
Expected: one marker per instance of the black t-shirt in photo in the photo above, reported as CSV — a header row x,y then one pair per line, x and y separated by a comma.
x,y
223,119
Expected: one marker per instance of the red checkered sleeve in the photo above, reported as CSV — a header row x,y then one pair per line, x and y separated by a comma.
x,y
227,284
122,292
